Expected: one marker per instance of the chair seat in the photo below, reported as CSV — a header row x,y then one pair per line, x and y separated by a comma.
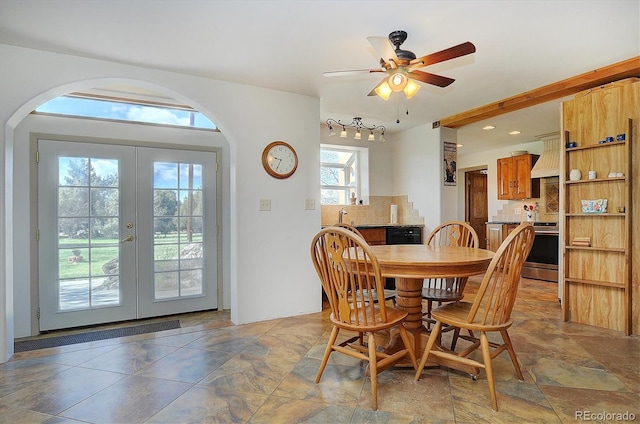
x,y
394,317
441,295
456,315
388,295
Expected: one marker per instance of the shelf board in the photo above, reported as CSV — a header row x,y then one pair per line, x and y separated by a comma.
x,y
594,283
591,215
596,180
595,146
597,249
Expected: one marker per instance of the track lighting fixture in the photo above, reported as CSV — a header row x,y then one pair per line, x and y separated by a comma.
x,y
359,126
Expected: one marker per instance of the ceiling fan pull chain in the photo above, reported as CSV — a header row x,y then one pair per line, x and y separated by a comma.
x,y
397,108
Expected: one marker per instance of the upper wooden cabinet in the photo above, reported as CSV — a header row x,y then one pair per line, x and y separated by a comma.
x,y
514,178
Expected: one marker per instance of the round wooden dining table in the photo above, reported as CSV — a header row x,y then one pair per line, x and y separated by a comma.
x,y
410,264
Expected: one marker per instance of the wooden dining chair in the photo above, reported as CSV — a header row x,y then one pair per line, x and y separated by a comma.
x,y
441,290
389,294
345,264
489,312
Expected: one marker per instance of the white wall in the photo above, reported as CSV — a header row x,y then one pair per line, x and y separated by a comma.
x,y
418,172
270,272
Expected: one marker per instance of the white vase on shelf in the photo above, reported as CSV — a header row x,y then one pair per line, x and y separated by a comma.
x,y
575,175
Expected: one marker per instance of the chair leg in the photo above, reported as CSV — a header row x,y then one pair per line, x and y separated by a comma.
x,y
429,308
454,340
435,335
512,353
486,356
327,352
373,370
407,343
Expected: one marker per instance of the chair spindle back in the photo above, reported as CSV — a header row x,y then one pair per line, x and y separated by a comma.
x,y
497,292
345,265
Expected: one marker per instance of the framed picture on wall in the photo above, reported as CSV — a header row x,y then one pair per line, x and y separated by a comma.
x,y
450,157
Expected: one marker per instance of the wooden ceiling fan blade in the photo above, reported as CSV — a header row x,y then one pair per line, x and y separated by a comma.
x,y
432,79
350,72
383,46
446,54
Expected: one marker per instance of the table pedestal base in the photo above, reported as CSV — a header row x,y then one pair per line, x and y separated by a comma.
x,y
409,298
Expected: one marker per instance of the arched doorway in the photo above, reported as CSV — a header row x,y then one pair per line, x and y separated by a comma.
x,y
21,267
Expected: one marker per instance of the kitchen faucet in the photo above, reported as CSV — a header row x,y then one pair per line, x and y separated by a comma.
x,y
341,213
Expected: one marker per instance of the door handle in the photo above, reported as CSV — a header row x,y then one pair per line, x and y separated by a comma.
x,y
127,238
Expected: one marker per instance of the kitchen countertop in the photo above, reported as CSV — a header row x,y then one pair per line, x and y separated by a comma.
x,y
520,222
388,225
365,226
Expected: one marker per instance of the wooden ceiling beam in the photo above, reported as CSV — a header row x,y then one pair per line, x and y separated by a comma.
x,y
617,71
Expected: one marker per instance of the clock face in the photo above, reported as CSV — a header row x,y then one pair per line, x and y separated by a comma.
x,y
279,159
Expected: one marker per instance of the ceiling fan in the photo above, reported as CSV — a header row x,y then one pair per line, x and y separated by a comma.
x,y
402,66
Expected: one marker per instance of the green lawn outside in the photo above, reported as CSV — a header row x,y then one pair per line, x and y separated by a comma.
x,y
104,250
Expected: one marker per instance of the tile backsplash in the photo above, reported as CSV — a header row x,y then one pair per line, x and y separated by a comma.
x,y
377,212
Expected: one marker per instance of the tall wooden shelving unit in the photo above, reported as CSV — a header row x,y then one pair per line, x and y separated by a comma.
x,y
597,247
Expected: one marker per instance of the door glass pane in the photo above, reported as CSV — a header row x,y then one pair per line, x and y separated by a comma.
x,y
178,230
88,233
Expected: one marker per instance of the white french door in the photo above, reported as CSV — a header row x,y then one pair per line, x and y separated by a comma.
x,y
125,232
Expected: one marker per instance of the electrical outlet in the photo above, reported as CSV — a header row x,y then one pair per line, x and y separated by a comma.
x,y
265,204
518,211
310,204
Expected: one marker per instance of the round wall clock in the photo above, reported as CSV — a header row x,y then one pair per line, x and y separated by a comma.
x,y
279,159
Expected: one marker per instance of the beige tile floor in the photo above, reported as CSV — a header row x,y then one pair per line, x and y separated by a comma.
x,y
213,371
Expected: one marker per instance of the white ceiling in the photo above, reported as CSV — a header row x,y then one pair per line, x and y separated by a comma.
x,y
287,45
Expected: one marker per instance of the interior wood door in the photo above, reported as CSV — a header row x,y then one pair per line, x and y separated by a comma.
x,y
476,208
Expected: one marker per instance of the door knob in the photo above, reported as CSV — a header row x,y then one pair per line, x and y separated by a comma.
x,y
127,238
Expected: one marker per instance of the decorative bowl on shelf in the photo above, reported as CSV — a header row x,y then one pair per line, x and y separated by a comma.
x,y
519,152
594,206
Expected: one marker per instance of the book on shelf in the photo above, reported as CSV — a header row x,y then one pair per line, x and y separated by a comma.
x,y
581,241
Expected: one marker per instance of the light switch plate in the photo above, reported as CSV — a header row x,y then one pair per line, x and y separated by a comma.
x,y
265,204
518,211
310,204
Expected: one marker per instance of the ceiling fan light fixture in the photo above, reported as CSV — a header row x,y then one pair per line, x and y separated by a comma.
x,y
411,89
397,81
383,90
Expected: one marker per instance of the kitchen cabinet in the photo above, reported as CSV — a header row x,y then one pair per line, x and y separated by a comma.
x,y
514,178
598,258
496,233
374,236
391,234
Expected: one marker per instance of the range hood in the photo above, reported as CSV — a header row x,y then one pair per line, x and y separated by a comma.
x,y
548,164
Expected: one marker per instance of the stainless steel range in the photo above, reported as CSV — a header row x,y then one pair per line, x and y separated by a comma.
x,y
542,262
